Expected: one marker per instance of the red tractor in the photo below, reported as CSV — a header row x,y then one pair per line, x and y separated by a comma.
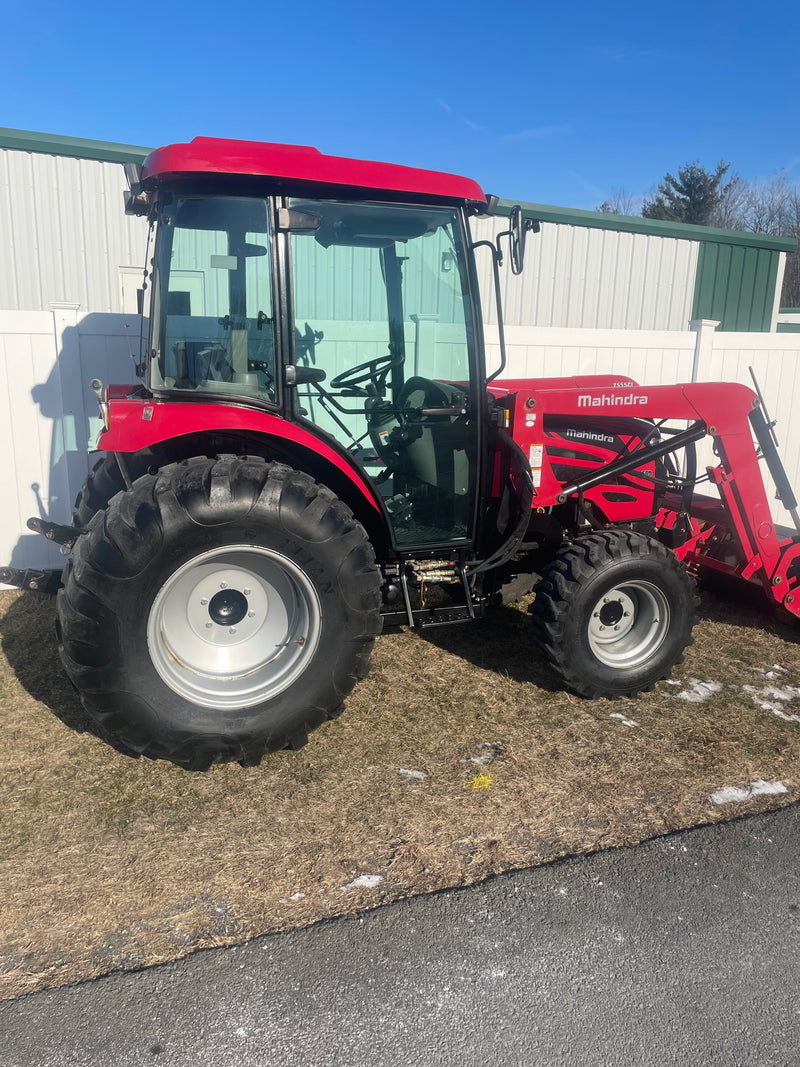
x,y
316,453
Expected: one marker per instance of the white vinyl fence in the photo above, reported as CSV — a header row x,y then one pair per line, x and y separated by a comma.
x,y
48,416
49,423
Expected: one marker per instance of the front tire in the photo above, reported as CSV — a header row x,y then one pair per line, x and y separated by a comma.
x,y
613,613
218,610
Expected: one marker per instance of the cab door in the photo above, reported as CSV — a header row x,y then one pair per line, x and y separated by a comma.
x,y
381,311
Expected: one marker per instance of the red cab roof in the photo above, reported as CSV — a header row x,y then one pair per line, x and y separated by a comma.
x,y
214,155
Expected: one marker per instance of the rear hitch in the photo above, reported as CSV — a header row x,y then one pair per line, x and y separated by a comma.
x,y
40,581
54,531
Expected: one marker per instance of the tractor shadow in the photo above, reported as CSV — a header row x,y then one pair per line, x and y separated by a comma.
x,y
500,642
30,646
745,607
60,406
503,641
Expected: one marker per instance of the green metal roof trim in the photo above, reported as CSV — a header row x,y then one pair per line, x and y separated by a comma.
x,y
600,220
76,147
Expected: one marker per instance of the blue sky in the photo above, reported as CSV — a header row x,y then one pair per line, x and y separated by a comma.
x,y
556,103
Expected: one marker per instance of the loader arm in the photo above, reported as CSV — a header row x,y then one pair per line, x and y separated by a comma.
x,y
740,518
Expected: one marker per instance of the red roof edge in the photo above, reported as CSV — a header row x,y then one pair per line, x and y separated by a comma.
x,y
213,155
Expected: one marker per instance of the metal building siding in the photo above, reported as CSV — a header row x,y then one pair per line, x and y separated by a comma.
x,y
67,234
594,278
736,286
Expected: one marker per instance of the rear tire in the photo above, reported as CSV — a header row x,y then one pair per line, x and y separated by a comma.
x,y
218,610
613,613
99,487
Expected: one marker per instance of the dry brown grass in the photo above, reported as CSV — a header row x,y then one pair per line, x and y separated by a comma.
x,y
108,862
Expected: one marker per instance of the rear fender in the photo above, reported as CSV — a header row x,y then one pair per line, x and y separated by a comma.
x,y
176,430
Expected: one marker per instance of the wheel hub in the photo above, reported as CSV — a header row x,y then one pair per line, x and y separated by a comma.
x,y
227,607
628,624
611,613
224,606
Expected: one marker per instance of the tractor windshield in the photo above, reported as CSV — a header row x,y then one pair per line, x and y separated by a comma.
x,y
213,301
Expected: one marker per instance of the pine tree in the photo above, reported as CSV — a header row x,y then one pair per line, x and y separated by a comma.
x,y
691,197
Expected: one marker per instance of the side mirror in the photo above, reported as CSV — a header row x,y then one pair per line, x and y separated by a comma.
x,y
295,375
519,228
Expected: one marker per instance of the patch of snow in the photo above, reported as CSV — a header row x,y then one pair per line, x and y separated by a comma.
x,y
771,698
406,773
734,795
622,719
774,671
293,898
487,757
364,881
699,691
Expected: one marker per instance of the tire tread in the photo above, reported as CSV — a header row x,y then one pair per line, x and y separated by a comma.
x,y
560,586
118,548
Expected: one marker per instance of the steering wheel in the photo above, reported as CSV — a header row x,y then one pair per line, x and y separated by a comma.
x,y
373,370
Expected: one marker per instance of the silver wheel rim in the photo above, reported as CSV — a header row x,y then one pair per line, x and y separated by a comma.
x,y
628,624
233,627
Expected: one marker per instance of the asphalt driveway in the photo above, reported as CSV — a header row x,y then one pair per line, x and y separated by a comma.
x,y
683,950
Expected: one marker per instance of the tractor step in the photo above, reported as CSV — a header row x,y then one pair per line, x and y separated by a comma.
x,y
442,616
40,581
433,615
424,617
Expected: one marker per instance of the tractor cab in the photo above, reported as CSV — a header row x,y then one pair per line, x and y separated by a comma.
x,y
349,312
